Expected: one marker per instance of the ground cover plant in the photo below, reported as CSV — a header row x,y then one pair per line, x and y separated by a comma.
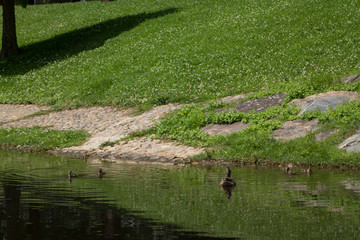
x,y
255,144
146,53
40,139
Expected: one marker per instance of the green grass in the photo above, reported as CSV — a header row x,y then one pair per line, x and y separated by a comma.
x,y
255,144
137,53
146,53
40,139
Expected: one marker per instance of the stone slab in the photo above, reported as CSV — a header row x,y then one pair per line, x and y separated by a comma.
x,y
224,129
295,129
323,135
351,144
350,79
324,101
141,149
103,123
259,105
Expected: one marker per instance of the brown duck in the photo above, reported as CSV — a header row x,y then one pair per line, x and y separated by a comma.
x,y
289,172
308,171
71,175
227,181
100,173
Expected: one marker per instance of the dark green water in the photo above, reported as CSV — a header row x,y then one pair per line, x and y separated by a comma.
x,y
153,202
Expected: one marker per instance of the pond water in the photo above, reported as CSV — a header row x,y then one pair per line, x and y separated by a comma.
x,y
134,201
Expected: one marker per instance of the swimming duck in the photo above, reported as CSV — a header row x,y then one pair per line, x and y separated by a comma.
x,y
227,181
308,170
71,174
100,173
289,172
284,168
85,157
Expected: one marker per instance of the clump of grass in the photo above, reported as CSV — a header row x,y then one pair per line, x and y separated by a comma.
x,y
255,144
40,139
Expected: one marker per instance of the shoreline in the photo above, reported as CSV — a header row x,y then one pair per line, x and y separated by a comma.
x,y
178,162
110,128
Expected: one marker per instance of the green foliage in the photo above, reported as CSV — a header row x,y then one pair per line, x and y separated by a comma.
x,y
309,115
255,143
184,125
304,87
254,146
40,139
347,115
107,143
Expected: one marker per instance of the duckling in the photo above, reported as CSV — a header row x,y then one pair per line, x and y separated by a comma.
x,y
284,168
289,172
308,170
100,173
71,174
85,157
227,181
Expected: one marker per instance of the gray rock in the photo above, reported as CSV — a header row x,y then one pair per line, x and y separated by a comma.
x,y
259,105
224,129
350,79
323,135
323,101
295,129
351,144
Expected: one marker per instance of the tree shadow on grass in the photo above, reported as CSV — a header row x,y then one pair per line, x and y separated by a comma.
x,y
72,43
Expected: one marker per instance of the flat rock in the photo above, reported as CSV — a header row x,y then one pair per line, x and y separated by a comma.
x,y
323,135
323,101
295,129
350,79
103,123
143,149
259,105
351,144
224,129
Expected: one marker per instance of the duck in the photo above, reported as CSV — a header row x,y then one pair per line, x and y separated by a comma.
x,y
227,181
100,173
289,172
308,170
284,168
71,174
85,157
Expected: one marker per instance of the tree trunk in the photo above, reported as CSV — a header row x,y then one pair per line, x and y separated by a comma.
x,y
9,41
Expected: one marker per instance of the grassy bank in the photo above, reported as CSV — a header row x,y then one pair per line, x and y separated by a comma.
x,y
256,145
146,53
40,139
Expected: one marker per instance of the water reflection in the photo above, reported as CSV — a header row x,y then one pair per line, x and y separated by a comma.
x,y
11,209
228,190
172,202
227,183
41,218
